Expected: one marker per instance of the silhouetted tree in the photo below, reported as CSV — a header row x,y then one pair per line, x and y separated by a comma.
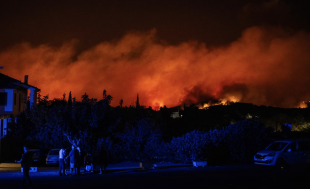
x,y
140,140
107,98
137,102
42,101
85,98
39,99
121,103
70,101
64,97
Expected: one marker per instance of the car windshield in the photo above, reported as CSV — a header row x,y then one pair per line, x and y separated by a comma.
x,y
276,146
54,152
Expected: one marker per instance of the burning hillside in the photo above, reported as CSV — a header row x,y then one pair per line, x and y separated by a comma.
x,y
265,66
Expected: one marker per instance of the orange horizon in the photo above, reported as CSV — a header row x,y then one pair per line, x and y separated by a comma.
x,y
265,66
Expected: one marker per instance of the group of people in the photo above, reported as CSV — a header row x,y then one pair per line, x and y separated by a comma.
x,y
75,161
75,157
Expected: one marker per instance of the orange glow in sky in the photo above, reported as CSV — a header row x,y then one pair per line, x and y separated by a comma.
x,y
263,67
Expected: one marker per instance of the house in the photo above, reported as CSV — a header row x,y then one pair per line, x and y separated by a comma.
x,y
13,99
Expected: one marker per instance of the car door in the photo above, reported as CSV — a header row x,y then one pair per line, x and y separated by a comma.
x,y
291,155
304,151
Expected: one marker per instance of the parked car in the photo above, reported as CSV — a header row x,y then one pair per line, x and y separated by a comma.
x,y
37,157
284,153
52,157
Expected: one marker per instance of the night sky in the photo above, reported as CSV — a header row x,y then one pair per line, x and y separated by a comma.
x,y
168,52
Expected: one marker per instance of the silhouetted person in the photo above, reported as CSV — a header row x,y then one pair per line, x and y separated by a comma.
x,y
62,168
74,154
26,162
103,160
286,130
88,160
78,162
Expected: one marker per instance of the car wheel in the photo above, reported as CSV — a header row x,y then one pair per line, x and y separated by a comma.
x,y
281,164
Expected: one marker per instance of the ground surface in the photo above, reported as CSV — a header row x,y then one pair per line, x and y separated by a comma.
x,y
169,176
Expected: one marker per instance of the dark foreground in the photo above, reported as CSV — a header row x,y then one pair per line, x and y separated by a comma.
x,y
232,177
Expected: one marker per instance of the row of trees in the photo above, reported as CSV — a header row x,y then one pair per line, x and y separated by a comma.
x,y
137,134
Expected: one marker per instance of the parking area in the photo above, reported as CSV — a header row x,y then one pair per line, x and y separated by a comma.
x,y
232,177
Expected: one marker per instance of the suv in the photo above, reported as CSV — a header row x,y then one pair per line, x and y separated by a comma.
x,y
282,153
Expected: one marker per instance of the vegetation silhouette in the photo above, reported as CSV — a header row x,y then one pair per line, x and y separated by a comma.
x,y
220,134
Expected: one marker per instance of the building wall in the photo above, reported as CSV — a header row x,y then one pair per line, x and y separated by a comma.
x,y
19,101
16,102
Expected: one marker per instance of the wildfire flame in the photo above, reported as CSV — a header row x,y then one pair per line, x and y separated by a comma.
x,y
304,104
220,102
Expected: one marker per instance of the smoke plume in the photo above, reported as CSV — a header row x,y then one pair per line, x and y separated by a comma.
x,y
265,66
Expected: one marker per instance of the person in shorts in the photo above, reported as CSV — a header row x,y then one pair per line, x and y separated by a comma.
x,y
73,160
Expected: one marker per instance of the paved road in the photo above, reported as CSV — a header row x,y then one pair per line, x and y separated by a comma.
x,y
232,177
16,167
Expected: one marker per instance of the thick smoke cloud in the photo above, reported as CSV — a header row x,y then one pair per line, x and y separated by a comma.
x,y
265,66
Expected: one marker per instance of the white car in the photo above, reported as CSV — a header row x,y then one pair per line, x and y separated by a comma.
x,y
52,157
283,153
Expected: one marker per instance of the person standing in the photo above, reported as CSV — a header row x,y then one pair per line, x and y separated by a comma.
x,y
26,162
78,162
88,160
73,160
103,160
62,168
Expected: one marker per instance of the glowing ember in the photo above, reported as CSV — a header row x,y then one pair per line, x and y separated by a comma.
x,y
221,102
204,106
303,104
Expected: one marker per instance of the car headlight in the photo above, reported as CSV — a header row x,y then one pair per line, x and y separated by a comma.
x,y
271,154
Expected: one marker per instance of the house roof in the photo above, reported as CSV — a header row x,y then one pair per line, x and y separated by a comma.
x,y
7,82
